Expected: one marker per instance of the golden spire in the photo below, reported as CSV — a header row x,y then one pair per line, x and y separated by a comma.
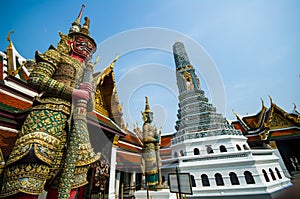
x,y
147,112
147,107
76,24
78,19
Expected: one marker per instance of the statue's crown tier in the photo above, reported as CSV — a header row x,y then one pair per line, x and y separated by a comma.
x,y
76,28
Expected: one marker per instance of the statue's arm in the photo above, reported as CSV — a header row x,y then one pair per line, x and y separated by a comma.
x,y
148,138
41,77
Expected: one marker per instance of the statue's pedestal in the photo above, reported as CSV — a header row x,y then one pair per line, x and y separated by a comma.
x,y
160,194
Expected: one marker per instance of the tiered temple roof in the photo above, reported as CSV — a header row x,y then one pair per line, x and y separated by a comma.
x,y
269,124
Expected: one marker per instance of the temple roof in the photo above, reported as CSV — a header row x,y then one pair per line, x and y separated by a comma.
x,y
269,120
8,102
106,96
132,138
128,160
16,65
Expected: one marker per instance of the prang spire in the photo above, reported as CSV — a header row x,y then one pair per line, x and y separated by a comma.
x,y
187,79
180,55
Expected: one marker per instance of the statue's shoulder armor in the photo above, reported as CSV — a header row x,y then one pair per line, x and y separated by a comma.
x,y
52,56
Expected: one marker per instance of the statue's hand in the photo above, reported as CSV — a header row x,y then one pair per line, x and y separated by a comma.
x,y
86,86
83,92
156,138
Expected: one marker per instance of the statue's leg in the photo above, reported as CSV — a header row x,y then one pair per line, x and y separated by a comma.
x,y
85,157
36,155
22,196
78,179
53,193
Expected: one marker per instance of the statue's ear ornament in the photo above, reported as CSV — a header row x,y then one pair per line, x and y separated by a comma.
x,y
64,44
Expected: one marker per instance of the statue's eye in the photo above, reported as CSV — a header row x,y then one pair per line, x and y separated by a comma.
x,y
84,44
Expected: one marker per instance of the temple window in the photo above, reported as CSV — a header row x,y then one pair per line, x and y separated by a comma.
x,y
205,181
248,177
193,181
272,174
181,153
223,148
278,173
238,147
245,147
266,176
209,150
175,154
234,179
219,179
196,151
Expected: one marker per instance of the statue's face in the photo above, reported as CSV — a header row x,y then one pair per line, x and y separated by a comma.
x,y
83,47
150,117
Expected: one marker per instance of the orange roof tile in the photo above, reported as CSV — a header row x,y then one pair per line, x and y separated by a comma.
x,y
165,141
284,133
128,147
238,126
253,138
14,102
128,160
132,138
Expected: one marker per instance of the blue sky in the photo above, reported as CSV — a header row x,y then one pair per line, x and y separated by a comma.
x,y
250,49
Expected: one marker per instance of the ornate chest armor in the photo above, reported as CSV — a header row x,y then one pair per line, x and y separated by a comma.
x,y
57,74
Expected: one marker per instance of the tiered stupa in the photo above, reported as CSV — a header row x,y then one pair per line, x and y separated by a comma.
x,y
216,155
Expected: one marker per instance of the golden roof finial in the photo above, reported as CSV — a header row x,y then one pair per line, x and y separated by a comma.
x,y
270,99
262,102
97,60
112,64
10,56
235,113
8,35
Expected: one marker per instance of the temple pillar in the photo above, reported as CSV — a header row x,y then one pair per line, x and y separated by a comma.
x,y
112,174
132,182
143,182
118,180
